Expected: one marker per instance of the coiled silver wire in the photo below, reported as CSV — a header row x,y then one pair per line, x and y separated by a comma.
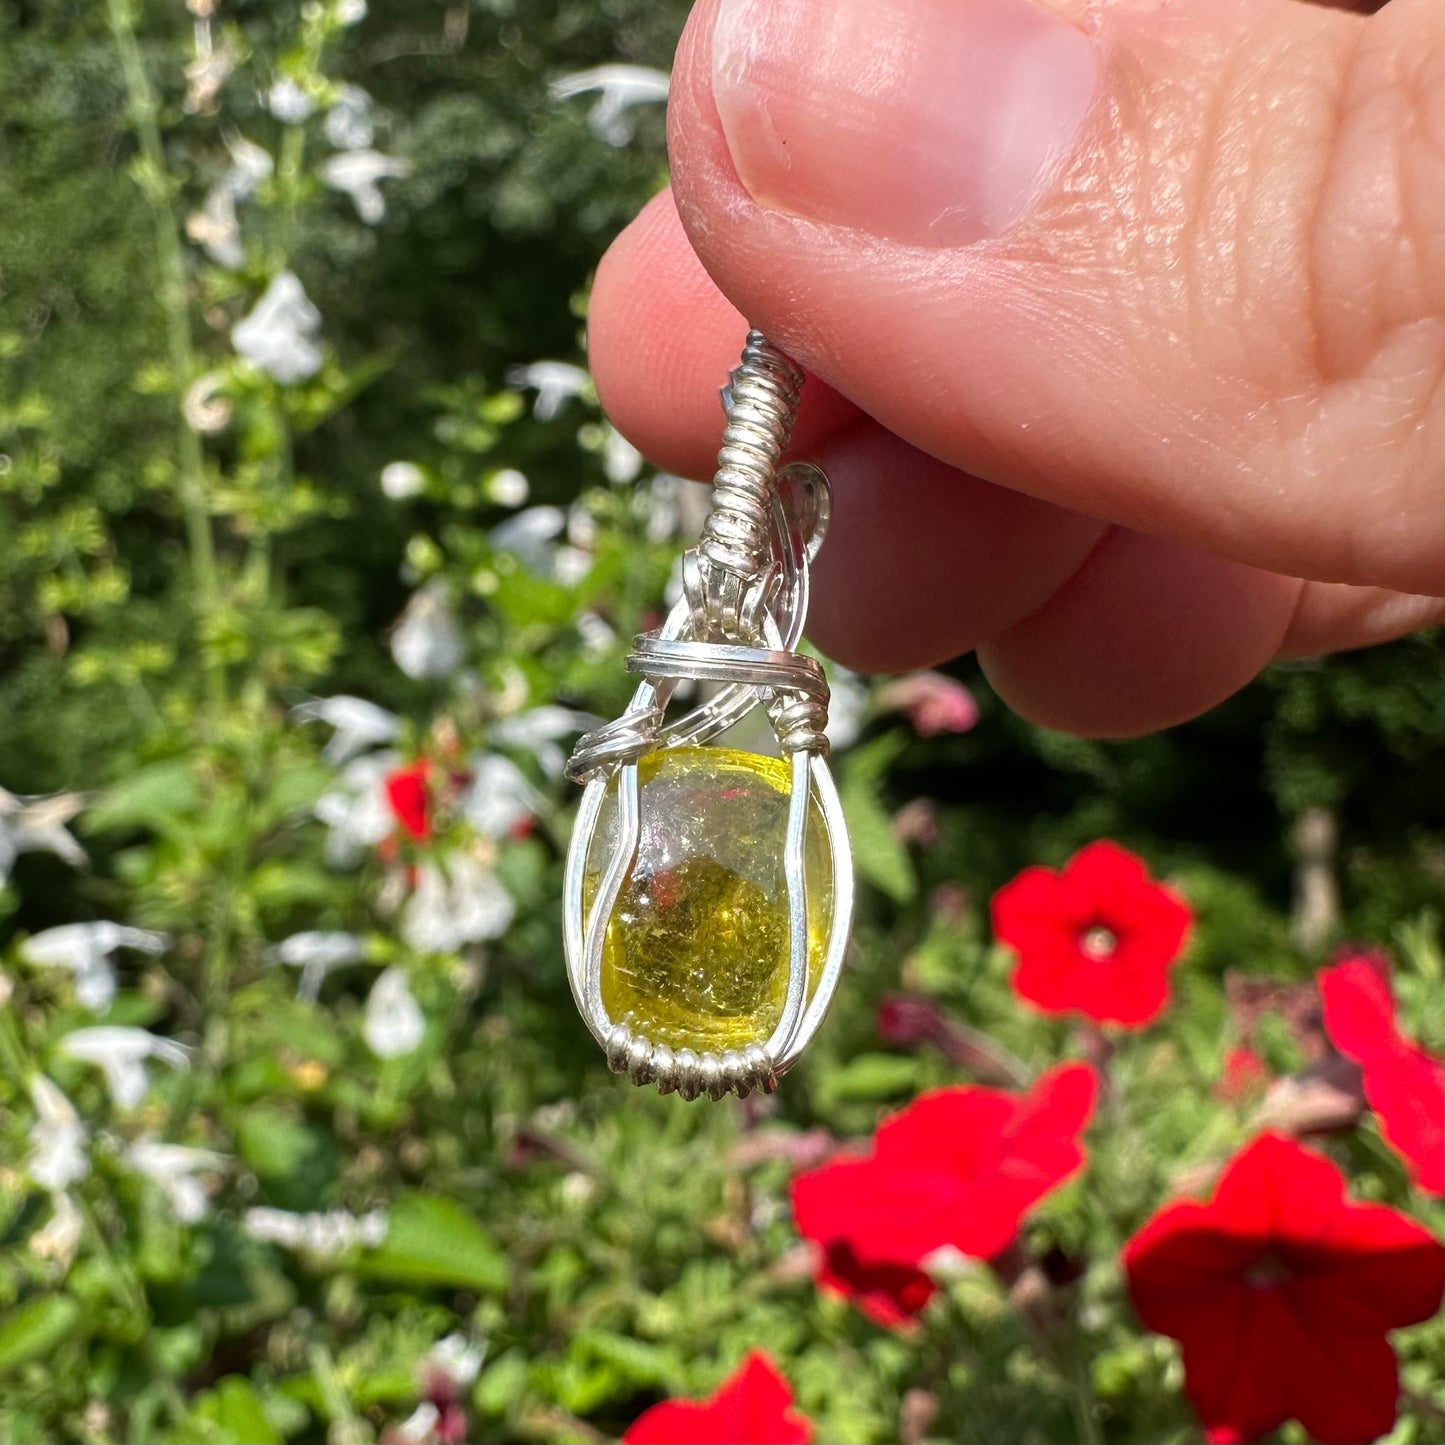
x,y
738,622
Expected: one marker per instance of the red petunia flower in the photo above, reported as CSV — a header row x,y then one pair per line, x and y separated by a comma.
x,y
1244,1077
1096,938
753,1406
1404,1085
957,1167
888,1292
1281,1292
409,799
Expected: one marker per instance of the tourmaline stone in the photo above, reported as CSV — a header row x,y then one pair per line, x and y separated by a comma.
x,y
696,951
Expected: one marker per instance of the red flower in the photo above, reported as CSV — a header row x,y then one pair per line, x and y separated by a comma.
x,y
751,1407
957,1167
1097,938
410,802
888,1292
1281,1292
1244,1078
1404,1085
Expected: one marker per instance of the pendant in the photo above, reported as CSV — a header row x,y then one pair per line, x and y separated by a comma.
x,y
708,891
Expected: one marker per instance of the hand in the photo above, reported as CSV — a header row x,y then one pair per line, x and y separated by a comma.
x,y
1136,306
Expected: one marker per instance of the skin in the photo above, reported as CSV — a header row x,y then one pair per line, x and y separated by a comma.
x,y
1182,418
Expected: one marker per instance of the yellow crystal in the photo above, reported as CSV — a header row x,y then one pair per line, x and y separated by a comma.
x,y
696,952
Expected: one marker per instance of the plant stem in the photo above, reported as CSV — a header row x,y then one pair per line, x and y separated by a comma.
x,y
191,486
288,186
122,1269
348,1427
1081,1395
12,1055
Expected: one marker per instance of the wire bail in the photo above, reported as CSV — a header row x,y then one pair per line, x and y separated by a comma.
x,y
738,622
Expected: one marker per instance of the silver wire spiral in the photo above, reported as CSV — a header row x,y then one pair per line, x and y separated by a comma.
x,y
738,622
761,402
745,589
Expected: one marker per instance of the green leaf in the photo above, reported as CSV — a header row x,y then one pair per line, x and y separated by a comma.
x,y
148,797
231,1414
501,1385
642,1363
431,1240
866,766
877,854
36,1328
298,1160
285,883
866,1077
528,601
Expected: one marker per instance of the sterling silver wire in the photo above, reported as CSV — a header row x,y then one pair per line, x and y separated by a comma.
x,y
738,622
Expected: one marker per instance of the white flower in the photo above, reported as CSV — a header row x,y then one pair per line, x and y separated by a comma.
x,y
37,825
847,707
85,949
555,382
279,335
348,122
395,1024
173,1167
621,461
207,72
215,227
673,588
530,535
250,165
288,102
597,634
58,1139
455,1357
322,1235
426,642
356,811
402,480
465,904
359,173
538,730
570,565
498,797
582,526
419,1427
350,12
664,512
121,1054
359,724
621,87
578,1189
316,953
507,488
60,1237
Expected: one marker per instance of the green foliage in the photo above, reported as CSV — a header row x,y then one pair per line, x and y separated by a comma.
x,y
193,550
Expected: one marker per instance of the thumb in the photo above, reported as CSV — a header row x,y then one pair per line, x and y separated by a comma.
x,y
1173,265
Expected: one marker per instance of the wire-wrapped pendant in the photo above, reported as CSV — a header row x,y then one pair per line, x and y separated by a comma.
x,y
709,892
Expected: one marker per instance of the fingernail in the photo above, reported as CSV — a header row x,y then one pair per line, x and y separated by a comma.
x,y
932,122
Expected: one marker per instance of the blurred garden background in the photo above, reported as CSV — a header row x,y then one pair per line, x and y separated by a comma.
x,y
315,555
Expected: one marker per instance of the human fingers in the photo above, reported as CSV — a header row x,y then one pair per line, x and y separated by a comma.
x,y
923,562
661,339
1172,266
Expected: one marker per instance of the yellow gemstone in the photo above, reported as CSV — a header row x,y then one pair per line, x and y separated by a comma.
x,y
696,953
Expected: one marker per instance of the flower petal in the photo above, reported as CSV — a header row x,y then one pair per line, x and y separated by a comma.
x,y
751,1407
